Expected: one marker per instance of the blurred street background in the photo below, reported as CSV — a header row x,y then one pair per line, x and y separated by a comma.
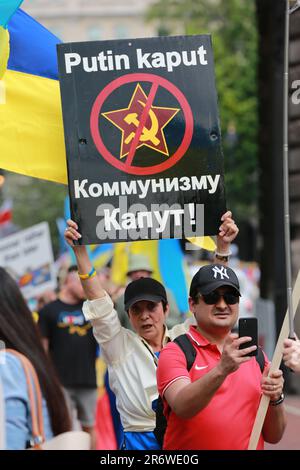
x,y
290,440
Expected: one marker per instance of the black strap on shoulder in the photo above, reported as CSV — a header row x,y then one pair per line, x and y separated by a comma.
x,y
186,346
260,358
189,351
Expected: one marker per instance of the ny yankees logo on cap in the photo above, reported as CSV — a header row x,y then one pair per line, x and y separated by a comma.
x,y
221,271
212,276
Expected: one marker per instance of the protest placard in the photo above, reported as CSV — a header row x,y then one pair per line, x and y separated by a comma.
x,y
28,256
142,138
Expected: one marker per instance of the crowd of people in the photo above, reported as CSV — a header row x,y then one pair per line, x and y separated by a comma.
x,y
134,334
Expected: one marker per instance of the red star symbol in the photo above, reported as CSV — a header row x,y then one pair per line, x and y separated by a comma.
x,y
127,120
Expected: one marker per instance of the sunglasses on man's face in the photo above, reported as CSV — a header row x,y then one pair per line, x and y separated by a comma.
x,y
214,297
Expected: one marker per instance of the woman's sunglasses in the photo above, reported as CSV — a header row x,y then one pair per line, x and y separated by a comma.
x,y
214,297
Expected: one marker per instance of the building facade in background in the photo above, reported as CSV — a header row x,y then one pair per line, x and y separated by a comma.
x,y
91,20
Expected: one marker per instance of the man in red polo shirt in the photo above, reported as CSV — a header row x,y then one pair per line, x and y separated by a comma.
x,y
213,406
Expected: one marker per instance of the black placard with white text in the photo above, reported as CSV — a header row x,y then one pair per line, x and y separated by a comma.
x,y
142,137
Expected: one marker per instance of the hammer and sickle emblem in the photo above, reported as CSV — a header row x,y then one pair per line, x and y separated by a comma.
x,y
147,134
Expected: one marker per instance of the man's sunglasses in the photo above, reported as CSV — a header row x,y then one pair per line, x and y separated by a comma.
x,y
214,297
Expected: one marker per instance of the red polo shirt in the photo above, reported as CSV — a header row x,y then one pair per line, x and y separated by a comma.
x,y
227,421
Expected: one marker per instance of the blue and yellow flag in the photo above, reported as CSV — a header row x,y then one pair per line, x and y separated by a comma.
x,y
7,9
31,127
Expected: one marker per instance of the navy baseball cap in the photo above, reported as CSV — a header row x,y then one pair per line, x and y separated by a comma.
x,y
145,288
212,276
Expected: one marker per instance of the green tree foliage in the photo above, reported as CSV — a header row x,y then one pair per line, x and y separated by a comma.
x,y
35,201
234,35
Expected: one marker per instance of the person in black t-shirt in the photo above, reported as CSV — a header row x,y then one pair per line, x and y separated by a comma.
x,y
73,348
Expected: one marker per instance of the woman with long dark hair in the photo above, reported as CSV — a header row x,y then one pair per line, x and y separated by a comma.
x,y
19,332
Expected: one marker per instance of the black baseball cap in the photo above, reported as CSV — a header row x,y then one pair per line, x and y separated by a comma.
x,y
145,288
212,276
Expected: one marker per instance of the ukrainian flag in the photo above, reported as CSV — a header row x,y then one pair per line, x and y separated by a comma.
x,y
31,126
7,9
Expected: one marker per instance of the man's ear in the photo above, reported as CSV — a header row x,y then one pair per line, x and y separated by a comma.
x,y
192,304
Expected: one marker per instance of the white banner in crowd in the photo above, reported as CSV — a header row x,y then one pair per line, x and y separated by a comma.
x,y
29,257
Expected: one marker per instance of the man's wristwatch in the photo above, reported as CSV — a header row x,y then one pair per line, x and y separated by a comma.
x,y
277,402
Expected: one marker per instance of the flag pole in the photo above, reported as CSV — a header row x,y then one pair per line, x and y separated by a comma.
x,y
287,237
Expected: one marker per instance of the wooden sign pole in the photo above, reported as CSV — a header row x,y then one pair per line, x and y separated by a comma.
x,y
264,402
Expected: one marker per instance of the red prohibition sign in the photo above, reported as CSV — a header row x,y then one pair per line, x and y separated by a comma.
x,y
156,81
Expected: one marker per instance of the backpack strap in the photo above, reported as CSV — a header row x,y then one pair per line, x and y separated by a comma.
x,y
35,399
260,358
188,349
190,353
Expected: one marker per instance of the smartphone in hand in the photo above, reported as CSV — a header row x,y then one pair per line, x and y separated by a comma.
x,y
248,327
